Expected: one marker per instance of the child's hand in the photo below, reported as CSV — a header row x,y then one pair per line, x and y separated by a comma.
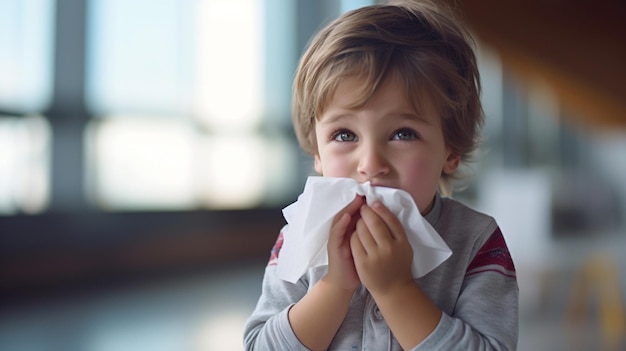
x,y
381,250
341,270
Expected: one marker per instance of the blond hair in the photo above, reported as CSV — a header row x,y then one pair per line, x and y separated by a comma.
x,y
417,41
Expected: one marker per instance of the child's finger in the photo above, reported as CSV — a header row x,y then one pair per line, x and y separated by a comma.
x,y
356,246
380,233
365,236
390,220
339,228
352,208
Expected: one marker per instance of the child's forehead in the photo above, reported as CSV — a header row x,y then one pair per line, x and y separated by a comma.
x,y
350,92
355,92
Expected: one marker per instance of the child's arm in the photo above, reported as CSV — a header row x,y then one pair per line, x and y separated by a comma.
x,y
383,257
316,318
484,316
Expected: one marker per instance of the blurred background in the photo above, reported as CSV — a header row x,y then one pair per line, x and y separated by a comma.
x,y
146,151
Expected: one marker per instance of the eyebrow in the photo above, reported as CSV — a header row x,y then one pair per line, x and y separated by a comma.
x,y
412,116
334,118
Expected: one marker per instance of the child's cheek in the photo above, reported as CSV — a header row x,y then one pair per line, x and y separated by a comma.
x,y
421,180
337,167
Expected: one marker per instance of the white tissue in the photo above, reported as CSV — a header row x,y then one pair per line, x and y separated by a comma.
x,y
309,220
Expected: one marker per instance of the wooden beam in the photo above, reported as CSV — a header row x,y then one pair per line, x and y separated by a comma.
x,y
578,47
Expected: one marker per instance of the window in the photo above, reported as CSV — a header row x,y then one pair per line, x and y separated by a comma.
x,y
26,29
187,103
180,105
24,164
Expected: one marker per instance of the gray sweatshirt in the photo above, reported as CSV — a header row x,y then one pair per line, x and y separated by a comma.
x,y
476,288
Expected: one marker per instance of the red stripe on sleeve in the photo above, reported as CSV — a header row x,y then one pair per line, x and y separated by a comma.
x,y
493,256
276,250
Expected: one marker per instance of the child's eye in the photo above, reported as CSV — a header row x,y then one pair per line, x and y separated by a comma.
x,y
405,134
344,135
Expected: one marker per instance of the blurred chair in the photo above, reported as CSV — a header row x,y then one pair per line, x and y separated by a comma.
x,y
597,283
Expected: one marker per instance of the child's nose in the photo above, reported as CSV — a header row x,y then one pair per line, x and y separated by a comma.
x,y
372,162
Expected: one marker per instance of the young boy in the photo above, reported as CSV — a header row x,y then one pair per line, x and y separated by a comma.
x,y
390,94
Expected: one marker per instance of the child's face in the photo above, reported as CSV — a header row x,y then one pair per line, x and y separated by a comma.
x,y
385,142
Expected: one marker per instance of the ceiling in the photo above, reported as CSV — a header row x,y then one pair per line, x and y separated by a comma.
x,y
578,47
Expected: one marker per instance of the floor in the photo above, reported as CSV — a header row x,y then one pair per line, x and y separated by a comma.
x,y
574,302
199,312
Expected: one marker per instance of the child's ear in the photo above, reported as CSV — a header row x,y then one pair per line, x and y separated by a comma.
x,y
318,164
452,163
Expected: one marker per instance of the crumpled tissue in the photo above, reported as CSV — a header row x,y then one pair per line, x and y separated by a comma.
x,y
309,220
